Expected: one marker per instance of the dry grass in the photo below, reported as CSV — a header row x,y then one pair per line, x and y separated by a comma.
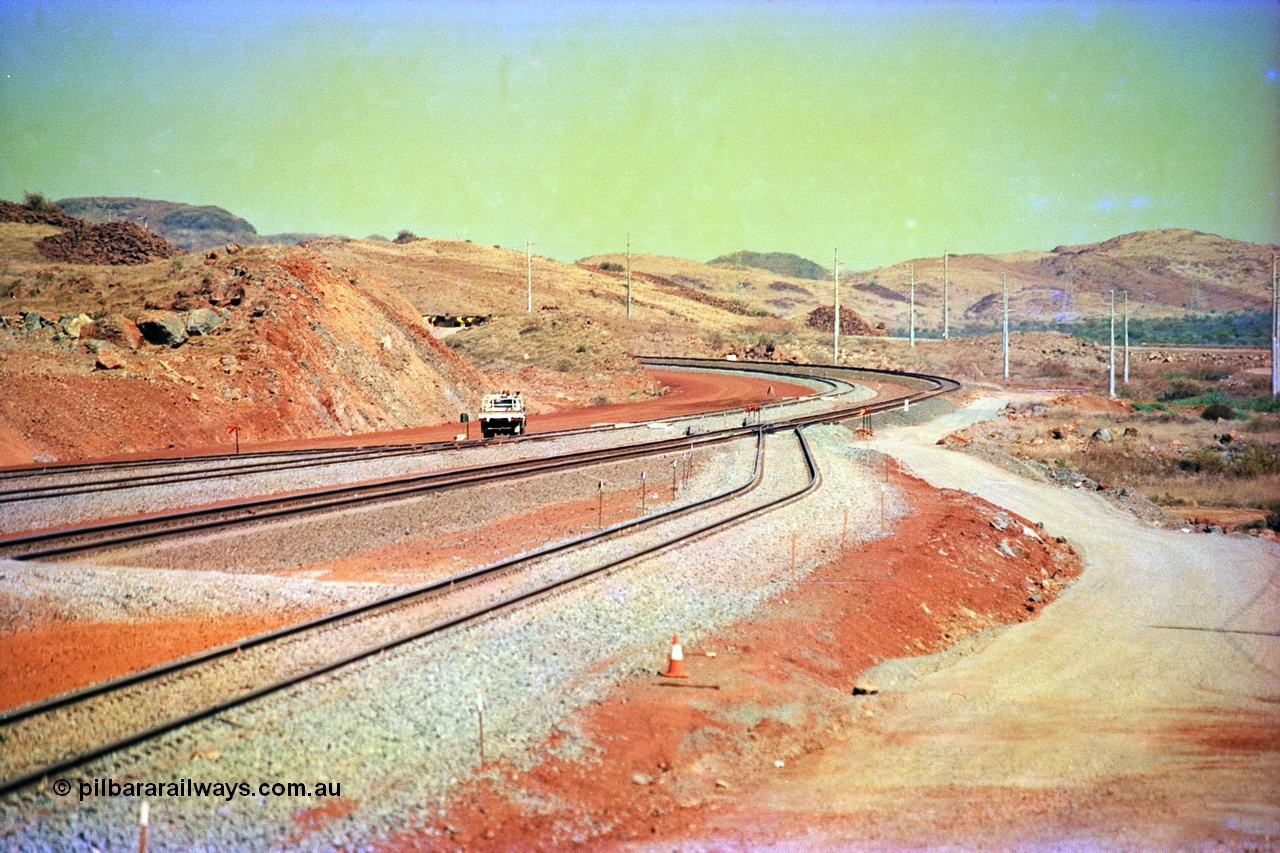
x,y
1175,457
18,241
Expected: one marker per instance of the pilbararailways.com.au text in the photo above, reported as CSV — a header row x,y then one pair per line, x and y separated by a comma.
x,y
191,788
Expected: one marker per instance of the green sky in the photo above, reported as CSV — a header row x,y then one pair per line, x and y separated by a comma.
x,y
891,130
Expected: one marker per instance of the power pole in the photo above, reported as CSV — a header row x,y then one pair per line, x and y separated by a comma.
x,y
1126,337
835,340
1111,385
946,299
1004,284
528,274
1071,290
628,275
1275,330
913,305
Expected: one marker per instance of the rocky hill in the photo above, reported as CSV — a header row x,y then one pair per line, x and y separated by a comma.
x,y
781,263
1167,273
100,360
191,227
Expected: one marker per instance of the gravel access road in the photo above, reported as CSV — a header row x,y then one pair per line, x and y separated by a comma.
x,y
1155,677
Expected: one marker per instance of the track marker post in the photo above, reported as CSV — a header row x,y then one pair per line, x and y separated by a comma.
x,y
480,716
844,529
144,817
793,554
644,492
600,505
236,429
675,471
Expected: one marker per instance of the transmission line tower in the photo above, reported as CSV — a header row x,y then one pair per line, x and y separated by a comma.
x,y
946,299
913,305
835,340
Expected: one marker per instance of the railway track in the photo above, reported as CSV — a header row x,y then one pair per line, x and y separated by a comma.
x,y
29,484
96,536
65,732
71,730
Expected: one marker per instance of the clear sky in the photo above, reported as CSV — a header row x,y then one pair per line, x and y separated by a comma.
x,y
889,129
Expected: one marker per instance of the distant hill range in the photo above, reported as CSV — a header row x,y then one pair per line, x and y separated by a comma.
x,y
781,263
1171,270
194,228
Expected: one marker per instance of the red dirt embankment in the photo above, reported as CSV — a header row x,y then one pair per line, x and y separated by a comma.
x,y
41,662
689,392
777,688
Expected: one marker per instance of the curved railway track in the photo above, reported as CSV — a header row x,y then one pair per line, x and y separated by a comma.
x,y
66,731
46,737
52,481
90,537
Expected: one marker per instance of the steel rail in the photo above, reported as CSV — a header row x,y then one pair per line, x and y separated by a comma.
x,y
936,385
95,536
455,582
227,468
55,542
232,465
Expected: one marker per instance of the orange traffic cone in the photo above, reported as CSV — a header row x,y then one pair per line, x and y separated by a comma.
x,y
675,669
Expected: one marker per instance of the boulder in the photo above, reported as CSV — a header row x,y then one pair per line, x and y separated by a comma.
x,y
163,328
32,321
865,687
119,330
1102,434
202,321
70,324
108,359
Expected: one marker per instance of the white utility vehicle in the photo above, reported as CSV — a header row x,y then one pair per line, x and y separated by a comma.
x,y
502,414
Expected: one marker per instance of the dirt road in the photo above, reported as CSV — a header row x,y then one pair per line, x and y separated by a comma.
x,y
1139,711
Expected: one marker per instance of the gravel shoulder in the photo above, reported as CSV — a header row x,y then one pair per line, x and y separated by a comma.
x,y
1138,712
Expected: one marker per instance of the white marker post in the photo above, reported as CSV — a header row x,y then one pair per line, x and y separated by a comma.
x,y
480,713
143,819
644,492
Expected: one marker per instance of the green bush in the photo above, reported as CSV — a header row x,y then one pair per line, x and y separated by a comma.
x,y
1213,411
1183,388
1255,460
1265,403
1205,460
37,201
1273,515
